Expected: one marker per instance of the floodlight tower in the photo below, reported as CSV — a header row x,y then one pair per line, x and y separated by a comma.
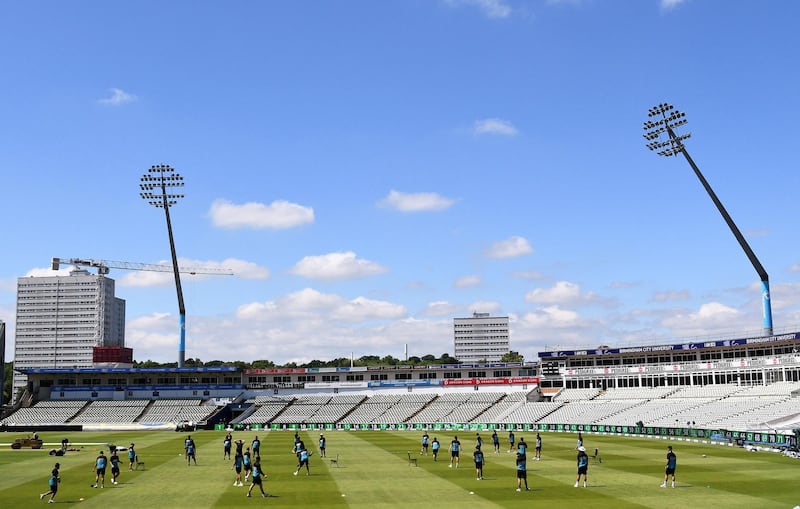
x,y
664,120
154,186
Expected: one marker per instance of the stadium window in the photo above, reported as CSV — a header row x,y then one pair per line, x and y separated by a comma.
x,y
330,378
354,378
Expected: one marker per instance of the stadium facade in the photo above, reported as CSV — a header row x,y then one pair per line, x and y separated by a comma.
x,y
744,390
480,338
61,319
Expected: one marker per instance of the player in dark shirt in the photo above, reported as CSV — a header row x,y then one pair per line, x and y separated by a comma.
x,y
455,448
114,459
522,472
669,468
478,457
583,466
258,477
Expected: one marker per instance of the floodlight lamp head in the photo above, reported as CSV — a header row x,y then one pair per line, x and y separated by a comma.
x,y
160,177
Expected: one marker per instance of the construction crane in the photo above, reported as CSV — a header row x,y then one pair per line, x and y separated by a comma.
x,y
104,266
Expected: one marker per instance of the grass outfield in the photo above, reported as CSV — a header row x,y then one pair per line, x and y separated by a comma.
x,y
374,472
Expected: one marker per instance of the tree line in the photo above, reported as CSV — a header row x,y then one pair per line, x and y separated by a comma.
x,y
340,362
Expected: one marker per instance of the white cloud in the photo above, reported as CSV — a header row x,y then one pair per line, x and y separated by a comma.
x,y
48,272
490,8
277,215
310,304
510,248
440,308
467,281
483,306
336,266
566,293
362,308
550,317
710,316
563,292
494,126
415,202
670,4
118,98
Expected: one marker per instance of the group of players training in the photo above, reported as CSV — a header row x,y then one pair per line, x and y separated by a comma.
x,y
248,460
521,457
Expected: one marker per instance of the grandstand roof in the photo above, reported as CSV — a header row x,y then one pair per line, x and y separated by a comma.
x,y
793,336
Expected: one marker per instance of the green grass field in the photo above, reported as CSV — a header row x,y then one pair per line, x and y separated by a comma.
x,y
374,472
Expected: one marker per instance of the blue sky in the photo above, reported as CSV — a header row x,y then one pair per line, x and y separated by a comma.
x,y
371,170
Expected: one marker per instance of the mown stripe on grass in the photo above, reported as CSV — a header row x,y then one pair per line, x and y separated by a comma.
x,y
374,476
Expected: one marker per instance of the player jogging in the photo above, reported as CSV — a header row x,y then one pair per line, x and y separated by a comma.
x,y
435,448
52,483
455,447
538,454
304,455
511,441
478,457
583,466
424,448
669,468
258,477
256,447
100,470
114,459
496,441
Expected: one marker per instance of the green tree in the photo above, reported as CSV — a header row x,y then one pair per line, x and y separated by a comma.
x,y
368,360
262,364
389,361
512,356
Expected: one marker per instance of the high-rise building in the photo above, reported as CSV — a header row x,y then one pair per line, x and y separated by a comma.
x,y
60,319
481,338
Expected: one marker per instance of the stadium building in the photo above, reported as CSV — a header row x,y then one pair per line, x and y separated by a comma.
x,y
745,390
480,338
61,319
